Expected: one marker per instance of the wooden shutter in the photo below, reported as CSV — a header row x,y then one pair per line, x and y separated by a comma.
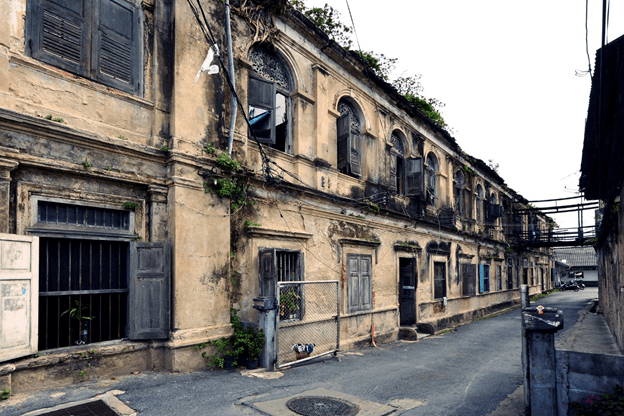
x,y
58,33
19,296
366,283
487,211
353,282
261,94
359,282
481,278
496,211
116,45
414,177
355,162
149,290
467,200
392,174
267,272
344,133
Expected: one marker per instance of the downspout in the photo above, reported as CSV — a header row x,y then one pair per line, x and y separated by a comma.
x,y
228,32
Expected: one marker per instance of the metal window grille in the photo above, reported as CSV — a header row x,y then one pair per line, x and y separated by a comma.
x,y
74,215
439,277
289,270
90,276
317,333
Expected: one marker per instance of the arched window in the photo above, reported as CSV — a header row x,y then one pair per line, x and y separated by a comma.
x,y
491,208
479,203
268,98
431,170
349,143
458,195
397,162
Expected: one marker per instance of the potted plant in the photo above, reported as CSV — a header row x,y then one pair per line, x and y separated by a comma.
x,y
77,313
229,349
254,342
227,353
289,303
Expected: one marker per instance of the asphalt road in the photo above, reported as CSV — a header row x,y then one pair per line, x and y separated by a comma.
x,y
468,371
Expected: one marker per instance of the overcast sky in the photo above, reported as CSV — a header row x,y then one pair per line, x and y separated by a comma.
x,y
506,72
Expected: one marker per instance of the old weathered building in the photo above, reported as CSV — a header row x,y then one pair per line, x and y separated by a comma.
x,y
111,159
602,179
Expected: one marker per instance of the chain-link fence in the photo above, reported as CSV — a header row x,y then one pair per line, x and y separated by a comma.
x,y
308,321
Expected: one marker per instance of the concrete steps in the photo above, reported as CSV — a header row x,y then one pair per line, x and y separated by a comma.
x,y
411,333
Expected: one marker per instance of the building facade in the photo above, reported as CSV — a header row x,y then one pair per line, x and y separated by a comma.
x,y
603,180
144,232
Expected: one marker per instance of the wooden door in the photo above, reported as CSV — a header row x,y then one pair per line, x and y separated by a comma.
x,y
407,291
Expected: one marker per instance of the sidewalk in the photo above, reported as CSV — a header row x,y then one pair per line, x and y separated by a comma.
x,y
590,334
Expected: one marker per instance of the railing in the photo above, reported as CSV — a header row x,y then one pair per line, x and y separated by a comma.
x,y
308,321
559,236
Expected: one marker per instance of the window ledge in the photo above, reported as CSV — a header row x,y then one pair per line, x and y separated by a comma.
x,y
277,233
76,79
368,312
360,242
407,247
91,233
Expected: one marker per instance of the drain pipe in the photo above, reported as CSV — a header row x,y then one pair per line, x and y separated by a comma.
x,y
525,303
228,32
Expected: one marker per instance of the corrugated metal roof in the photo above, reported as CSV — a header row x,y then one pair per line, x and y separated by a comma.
x,y
576,256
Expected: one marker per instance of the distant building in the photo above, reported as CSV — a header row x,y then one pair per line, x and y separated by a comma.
x,y
581,262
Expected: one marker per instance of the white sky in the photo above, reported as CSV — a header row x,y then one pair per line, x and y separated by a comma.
x,y
506,72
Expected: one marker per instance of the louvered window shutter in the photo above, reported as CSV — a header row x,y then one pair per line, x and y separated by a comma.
x,y
58,33
149,291
354,154
392,167
353,282
261,100
414,177
268,274
344,133
359,282
481,278
366,277
116,45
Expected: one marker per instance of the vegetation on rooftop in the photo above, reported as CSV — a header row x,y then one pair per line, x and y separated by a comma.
x,y
328,20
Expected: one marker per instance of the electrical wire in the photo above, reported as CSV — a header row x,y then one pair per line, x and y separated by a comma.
x,y
587,40
270,174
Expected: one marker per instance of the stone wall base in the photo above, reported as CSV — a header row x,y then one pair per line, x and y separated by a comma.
x,y
462,318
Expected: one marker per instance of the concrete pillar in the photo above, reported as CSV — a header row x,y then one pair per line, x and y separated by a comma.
x,y
539,325
157,201
6,166
266,311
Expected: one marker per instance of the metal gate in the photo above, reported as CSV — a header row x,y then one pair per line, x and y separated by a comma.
x,y
308,321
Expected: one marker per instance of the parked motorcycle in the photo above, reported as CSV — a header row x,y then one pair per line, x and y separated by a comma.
x,y
581,285
571,285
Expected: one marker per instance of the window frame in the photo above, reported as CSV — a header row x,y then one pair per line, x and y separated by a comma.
x,y
276,89
484,278
443,262
348,147
431,179
94,33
